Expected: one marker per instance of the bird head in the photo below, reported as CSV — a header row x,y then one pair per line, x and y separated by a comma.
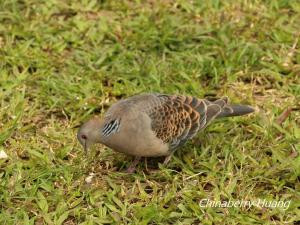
x,y
90,132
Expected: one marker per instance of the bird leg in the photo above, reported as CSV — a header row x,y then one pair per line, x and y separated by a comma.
x,y
133,164
167,159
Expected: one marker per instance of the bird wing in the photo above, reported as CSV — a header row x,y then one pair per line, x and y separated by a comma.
x,y
176,119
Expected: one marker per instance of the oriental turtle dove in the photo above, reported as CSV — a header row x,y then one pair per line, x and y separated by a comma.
x,y
150,125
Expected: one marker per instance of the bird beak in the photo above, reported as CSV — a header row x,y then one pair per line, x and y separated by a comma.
x,y
85,146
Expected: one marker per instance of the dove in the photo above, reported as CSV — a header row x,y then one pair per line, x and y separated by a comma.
x,y
153,124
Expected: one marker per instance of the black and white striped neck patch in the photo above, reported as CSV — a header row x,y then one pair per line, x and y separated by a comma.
x,y
111,127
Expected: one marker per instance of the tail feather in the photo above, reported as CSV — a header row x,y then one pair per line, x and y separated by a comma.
x,y
235,110
228,109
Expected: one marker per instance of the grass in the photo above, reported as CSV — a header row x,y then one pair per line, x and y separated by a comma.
x,y
63,61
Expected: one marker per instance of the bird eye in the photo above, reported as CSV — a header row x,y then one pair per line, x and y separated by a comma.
x,y
83,136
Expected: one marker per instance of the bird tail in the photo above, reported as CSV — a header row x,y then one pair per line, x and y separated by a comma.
x,y
231,110
235,110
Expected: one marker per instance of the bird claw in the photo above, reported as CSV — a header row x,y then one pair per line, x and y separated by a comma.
x,y
130,170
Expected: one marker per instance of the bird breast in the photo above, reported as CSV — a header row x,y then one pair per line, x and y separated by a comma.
x,y
136,137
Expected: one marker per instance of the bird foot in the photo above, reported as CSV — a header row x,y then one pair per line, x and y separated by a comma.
x,y
132,167
130,170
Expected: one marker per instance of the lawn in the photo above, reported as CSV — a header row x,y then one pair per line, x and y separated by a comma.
x,y
61,62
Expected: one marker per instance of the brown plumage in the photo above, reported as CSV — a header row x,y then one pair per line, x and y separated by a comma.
x,y
152,125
